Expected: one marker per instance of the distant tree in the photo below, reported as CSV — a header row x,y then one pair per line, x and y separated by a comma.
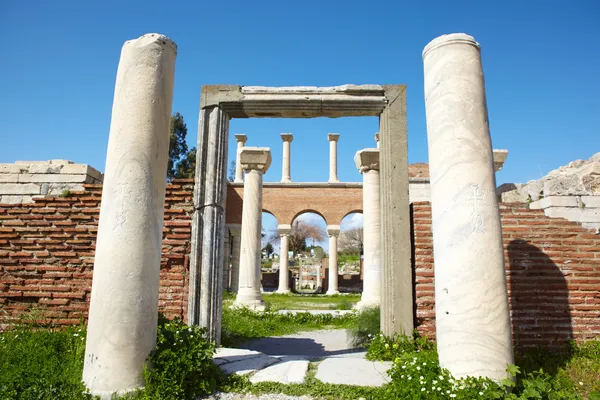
x,y
301,232
177,145
351,241
268,249
319,252
186,167
231,176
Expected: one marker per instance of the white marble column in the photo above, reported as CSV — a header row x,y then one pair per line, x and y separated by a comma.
x,y
241,139
236,243
333,139
124,303
284,236
255,162
472,315
367,162
333,231
285,165
377,139
226,260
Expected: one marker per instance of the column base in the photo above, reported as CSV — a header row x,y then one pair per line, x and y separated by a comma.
x,y
368,303
254,305
283,291
333,181
286,181
332,292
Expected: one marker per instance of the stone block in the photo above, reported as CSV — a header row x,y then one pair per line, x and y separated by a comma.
x,y
227,355
19,188
289,370
61,162
55,189
9,178
564,185
15,199
45,169
74,169
591,201
11,169
53,178
574,214
31,162
554,201
353,371
249,365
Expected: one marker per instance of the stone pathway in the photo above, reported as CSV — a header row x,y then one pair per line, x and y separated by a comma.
x,y
286,359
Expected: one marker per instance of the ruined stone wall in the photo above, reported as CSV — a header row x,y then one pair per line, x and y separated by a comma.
x,y
23,181
552,271
47,252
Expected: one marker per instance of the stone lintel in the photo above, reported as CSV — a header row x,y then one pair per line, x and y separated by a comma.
x,y
287,137
333,230
258,158
499,158
367,159
284,229
295,102
241,137
333,137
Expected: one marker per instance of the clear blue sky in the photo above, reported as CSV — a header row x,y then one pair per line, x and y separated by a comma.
x,y
540,58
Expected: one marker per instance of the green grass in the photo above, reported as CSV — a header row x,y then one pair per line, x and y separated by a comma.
x,y
310,302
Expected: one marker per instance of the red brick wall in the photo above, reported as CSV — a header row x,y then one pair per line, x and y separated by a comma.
x,y
47,255
552,271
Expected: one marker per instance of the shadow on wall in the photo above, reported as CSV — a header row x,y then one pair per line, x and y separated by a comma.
x,y
539,299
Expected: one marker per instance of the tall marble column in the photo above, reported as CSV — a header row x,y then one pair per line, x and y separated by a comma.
x,y
255,162
241,139
472,315
377,139
285,165
367,162
124,304
236,243
333,139
226,260
333,231
284,236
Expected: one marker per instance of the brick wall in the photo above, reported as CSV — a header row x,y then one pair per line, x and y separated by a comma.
x,y
47,254
552,271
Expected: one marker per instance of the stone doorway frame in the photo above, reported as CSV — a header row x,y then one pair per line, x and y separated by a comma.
x,y
220,103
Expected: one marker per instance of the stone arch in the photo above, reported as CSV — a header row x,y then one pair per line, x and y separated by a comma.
x,y
308,210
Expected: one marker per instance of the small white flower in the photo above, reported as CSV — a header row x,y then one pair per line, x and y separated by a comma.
x,y
418,368
76,334
439,388
424,363
441,378
404,366
453,395
581,383
481,393
421,377
422,389
409,377
434,381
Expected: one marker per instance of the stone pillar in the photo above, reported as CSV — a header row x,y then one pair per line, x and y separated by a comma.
x,y
255,162
236,242
367,162
284,236
226,260
333,139
333,231
472,316
377,139
285,165
241,140
124,304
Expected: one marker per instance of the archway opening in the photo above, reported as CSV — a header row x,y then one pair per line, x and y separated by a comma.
x,y
269,264
308,245
350,252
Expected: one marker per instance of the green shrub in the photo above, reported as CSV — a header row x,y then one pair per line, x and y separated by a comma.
x,y
181,365
385,348
367,326
42,363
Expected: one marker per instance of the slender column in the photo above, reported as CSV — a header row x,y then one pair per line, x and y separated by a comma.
x,y
236,243
255,162
367,162
205,299
284,235
397,282
333,139
241,140
124,304
285,164
472,315
377,139
333,231
226,260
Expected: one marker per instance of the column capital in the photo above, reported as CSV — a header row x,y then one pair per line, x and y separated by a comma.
x,y
377,137
234,229
240,137
284,229
333,230
287,137
333,137
367,159
255,158
499,157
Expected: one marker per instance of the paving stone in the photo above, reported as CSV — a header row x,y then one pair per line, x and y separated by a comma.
x,y
289,370
249,365
353,371
225,355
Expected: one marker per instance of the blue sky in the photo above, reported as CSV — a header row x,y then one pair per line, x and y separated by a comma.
x,y
540,59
